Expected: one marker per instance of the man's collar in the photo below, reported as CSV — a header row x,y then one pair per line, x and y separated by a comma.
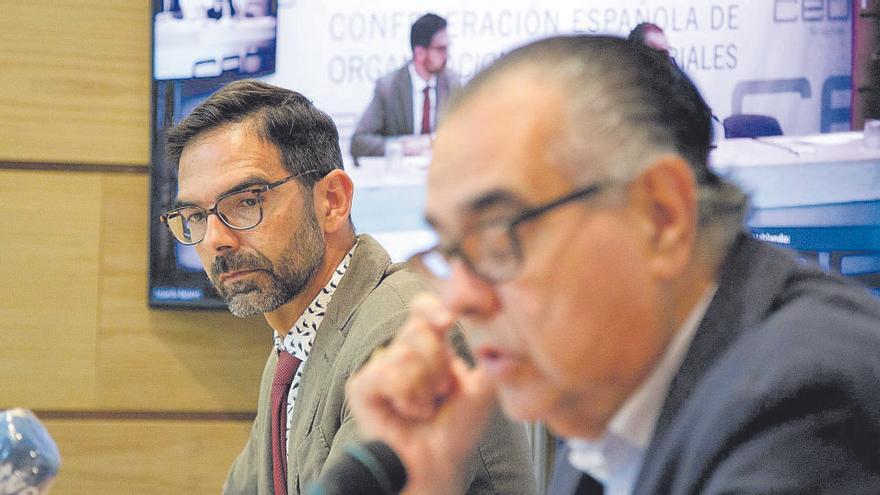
x,y
417,82
630,430
301,335
635,420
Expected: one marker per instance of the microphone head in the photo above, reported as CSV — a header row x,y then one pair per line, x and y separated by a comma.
x,y
29,459
370,468
388,461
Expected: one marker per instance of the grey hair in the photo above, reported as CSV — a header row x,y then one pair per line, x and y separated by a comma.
x,y
626,105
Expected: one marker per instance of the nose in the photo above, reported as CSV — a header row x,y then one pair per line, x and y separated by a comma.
x,y
468,295
219,237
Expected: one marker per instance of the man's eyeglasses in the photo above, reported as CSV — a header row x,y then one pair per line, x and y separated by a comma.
x,y
238,210
492,251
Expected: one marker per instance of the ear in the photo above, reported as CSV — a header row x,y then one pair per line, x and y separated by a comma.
x,y
333,195
666,196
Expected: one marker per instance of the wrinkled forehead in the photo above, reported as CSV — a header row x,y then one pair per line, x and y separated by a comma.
x,y
223,159
501,143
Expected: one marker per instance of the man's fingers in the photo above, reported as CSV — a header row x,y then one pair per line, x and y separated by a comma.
x,y
428,308
416,366
412,376
416,379
479,397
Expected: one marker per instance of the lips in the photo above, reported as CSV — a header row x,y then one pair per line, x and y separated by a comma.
x,y
232,276
498,363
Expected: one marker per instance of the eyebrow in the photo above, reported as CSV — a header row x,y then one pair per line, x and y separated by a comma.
x,y
246,183
494,198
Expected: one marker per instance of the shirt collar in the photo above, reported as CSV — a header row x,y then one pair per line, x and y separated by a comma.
x,y
418,84
631,428
299,339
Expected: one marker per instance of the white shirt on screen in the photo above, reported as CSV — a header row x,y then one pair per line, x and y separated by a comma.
x,y
418,86
616,459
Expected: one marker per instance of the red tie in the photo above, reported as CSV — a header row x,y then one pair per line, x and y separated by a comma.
x,y
426,111
284,373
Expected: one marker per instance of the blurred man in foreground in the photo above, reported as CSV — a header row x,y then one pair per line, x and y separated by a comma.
x,y
263,197
407,103
612,294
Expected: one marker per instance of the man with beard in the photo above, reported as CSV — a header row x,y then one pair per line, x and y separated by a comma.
x,y
263,197
407,102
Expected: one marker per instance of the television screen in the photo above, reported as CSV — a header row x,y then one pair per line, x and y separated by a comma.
x,y
197,39
198,46
333,52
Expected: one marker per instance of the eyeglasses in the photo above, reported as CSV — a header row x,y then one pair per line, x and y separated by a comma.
x,y
238,210
492,251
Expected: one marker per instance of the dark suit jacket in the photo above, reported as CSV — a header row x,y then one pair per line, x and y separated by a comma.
x,y
779,391
390,112
367,307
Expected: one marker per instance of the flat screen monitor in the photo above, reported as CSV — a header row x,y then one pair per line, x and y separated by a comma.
x,y
203,39
198,46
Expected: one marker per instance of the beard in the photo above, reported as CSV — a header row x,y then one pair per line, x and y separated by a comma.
x,y
287,277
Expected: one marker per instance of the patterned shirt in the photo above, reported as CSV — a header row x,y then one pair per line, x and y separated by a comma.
x,y
301,336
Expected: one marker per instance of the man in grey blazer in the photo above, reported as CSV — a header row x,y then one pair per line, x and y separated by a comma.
x,y
611,293
408,103
263,197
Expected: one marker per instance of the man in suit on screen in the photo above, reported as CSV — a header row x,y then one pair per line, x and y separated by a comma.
x,y
263,197
408,102
611,293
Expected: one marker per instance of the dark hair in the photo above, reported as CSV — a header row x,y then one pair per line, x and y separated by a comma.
x,y
306,137
424,29
641,30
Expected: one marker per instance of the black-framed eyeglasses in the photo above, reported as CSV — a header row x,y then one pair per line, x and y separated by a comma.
x,y
238,210
493,251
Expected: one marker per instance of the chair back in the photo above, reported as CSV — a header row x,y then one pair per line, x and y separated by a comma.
x,y
751,125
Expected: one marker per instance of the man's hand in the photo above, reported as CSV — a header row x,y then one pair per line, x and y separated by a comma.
x,y
420,398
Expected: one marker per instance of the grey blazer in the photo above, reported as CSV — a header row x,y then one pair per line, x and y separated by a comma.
x,y
367,307
390,112
779,391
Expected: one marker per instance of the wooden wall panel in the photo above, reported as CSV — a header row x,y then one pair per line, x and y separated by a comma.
x,y
49,226
145,457
174,360
77,339
75,81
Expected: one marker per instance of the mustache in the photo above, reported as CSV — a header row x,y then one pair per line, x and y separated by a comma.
x,y
234,262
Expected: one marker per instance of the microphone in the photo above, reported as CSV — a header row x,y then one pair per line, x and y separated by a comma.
x,y
370,468
29,459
